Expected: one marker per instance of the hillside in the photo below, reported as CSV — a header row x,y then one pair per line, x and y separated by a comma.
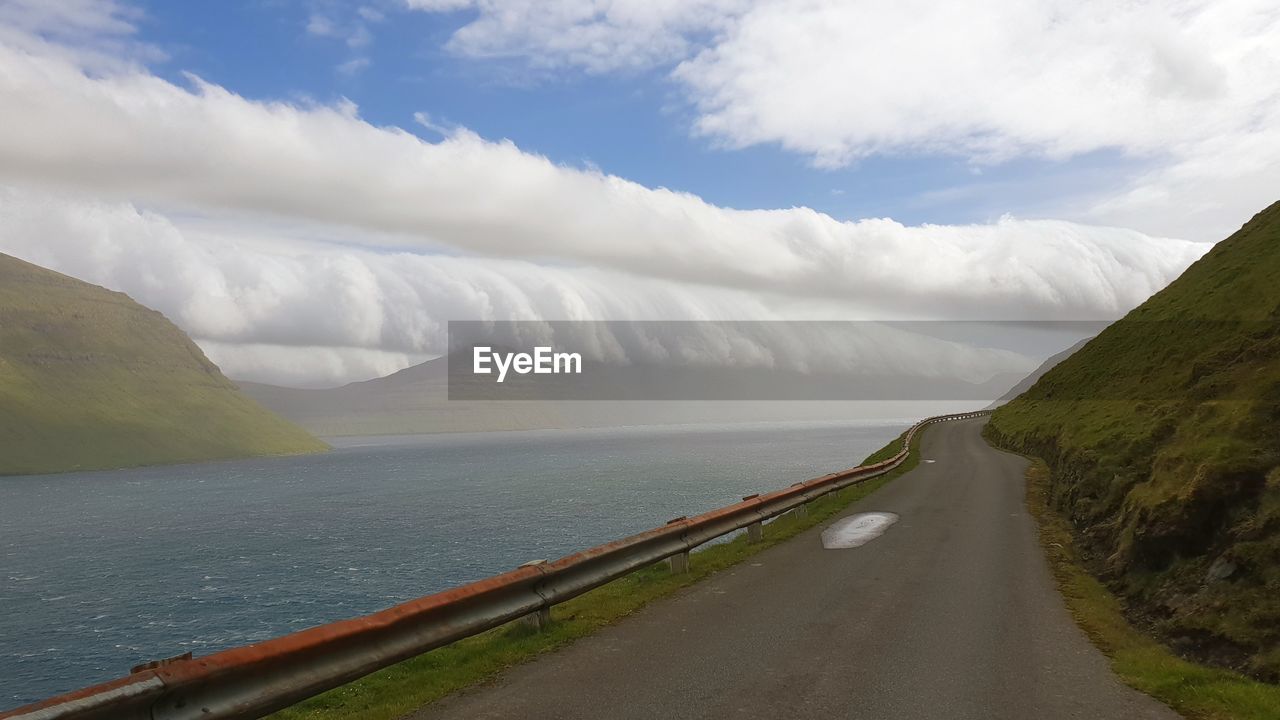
x,y
91,379
1163,437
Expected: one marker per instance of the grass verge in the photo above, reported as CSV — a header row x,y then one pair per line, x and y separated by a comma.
x,y
402,688
1195,691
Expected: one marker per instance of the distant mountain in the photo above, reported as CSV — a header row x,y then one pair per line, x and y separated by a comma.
x,y
90,379
416,400
1163,437
1025,383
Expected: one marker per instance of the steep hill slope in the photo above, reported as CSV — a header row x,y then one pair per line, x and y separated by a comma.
x,y
1163,435
91,379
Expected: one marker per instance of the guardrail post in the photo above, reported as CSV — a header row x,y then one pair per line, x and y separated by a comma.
x,y
755,531
539,619
679,563
801,510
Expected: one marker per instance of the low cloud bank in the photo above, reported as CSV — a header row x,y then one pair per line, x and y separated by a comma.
x,y
133,136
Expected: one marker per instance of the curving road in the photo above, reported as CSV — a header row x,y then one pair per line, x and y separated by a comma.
x,y
951,613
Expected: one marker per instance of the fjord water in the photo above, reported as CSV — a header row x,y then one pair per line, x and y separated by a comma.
x,y
103,570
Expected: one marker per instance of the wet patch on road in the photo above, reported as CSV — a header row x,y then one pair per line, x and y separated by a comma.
x,y
857,530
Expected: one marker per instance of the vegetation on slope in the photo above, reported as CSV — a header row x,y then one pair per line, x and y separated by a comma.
x,y
1163,439
90,379
1195,691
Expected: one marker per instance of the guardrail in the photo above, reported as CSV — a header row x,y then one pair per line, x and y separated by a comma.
x,y
252,681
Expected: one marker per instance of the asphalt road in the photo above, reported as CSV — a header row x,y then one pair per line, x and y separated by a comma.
x,y
951,613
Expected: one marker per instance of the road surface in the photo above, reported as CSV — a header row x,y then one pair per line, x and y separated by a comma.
x,y
950,613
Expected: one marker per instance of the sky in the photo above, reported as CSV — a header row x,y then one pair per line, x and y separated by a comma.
x,y
312,188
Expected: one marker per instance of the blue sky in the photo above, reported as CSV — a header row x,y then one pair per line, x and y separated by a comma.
x,y
635,124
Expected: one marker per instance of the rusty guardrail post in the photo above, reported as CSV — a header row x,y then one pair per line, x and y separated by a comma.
x,y
801,511
678,563
539,619
755,531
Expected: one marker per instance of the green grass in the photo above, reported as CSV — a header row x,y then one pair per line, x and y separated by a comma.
x,y
90,379
1195,691
402,688
1163,440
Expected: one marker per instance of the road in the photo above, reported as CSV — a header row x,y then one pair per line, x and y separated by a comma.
x,y
951,613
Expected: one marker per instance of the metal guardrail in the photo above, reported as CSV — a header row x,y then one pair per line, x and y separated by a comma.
x,y
252,681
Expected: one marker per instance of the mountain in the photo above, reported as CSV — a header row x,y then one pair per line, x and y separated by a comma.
x,y
90,379
417,399
1163,438
1025,383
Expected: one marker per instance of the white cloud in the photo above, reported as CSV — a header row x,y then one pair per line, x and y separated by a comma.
x,y
1192,86
599,35
131,135
1210,189
307,313
93,33
250,298
1175,82
439,5
359,37
250,288
351,26
443,129
354,66
69,19
841,80
321,26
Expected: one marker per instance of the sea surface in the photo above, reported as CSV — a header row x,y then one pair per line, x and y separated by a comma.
x,y
100,571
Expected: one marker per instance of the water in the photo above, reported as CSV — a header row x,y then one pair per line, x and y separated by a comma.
x,y
102,570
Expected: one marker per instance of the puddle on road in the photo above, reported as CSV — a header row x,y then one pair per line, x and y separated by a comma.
x,y
857,530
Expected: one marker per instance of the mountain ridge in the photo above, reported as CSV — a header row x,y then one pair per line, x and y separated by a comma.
x,y
90,379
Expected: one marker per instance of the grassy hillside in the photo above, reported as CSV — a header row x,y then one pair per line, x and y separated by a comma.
x,y
91,379
1163,438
